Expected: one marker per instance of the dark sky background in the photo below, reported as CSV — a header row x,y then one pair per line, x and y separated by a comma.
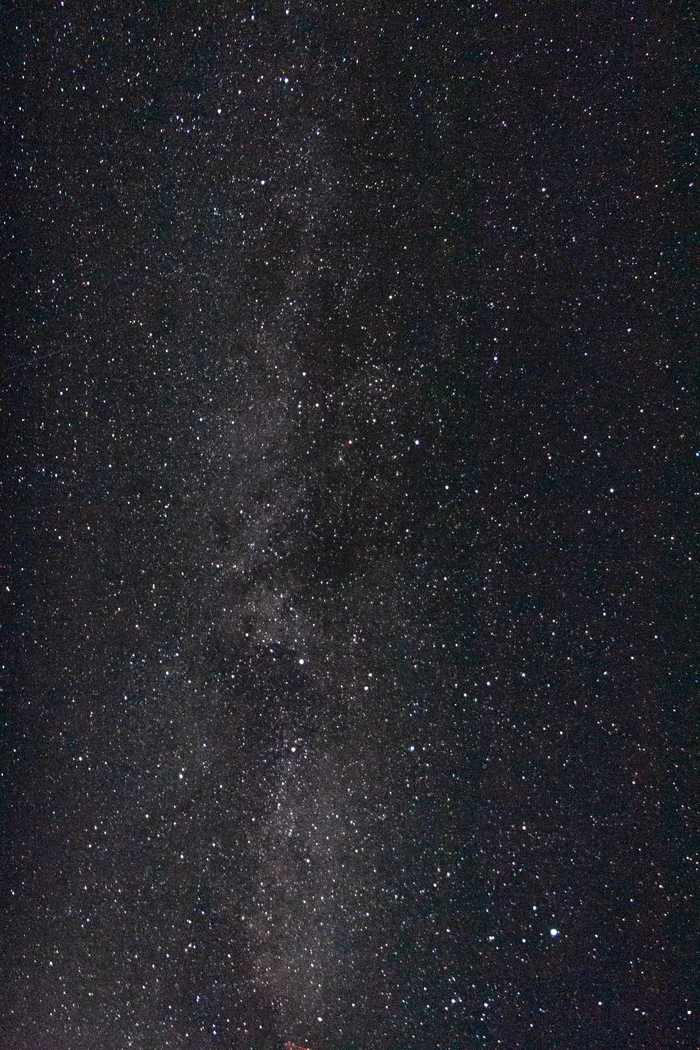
x,y
347,561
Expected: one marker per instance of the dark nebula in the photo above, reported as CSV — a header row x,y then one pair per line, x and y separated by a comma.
x,y
351,444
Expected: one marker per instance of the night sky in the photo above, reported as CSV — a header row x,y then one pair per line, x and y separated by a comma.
x,y
350,447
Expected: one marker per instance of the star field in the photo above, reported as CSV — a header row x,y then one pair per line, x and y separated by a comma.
x,y
348,547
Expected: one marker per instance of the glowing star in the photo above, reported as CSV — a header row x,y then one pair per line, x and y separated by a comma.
x,y
553,932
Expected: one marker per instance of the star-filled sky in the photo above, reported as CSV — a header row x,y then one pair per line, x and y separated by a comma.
x,y
350,452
